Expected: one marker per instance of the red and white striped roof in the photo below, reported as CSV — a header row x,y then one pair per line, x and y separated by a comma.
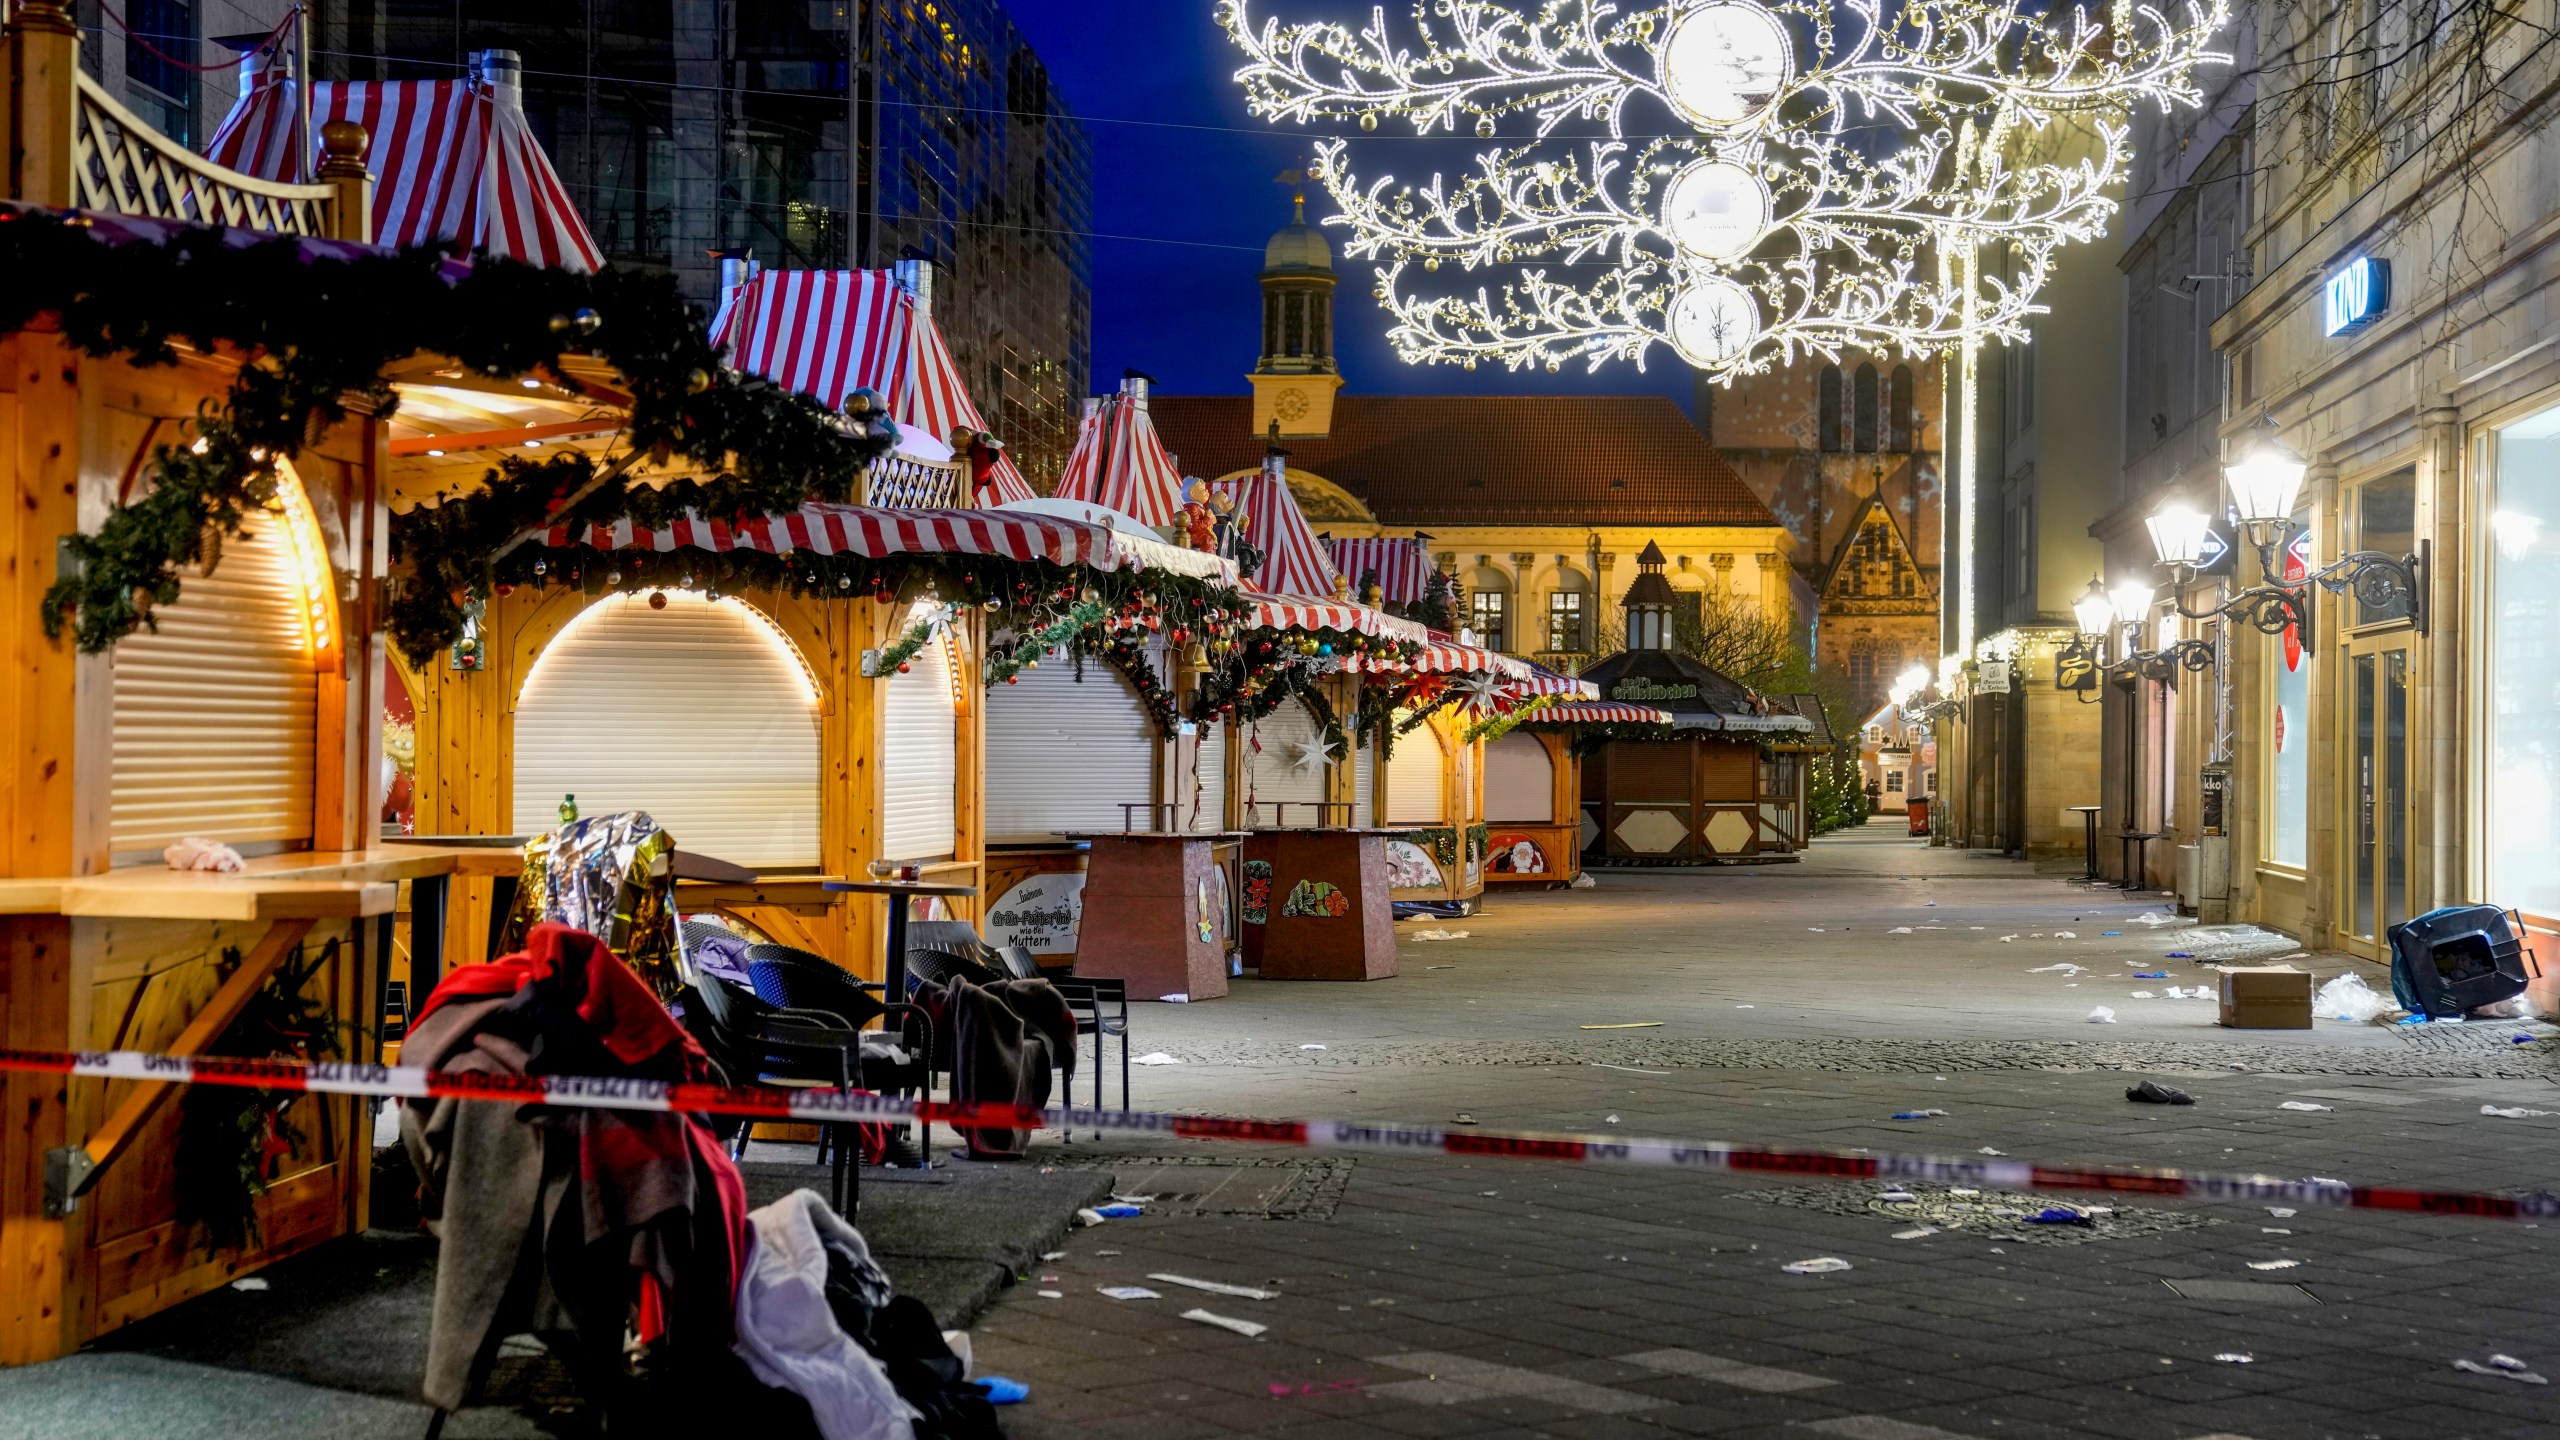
x,y
870,533
1295,612
1587,712
1403,564
1119,462
828,333
451,159
1542,681
258,137
1294,562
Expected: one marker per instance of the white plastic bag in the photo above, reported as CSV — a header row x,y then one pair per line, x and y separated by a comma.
x,y
2349,998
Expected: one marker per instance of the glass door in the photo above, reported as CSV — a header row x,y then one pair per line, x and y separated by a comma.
x,y
2376,826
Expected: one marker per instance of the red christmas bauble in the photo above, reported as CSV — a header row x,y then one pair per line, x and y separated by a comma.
x,y
904,667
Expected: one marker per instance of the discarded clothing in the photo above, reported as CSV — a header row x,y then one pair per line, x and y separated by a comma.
x,y
581,1225
1004,1039
787,1328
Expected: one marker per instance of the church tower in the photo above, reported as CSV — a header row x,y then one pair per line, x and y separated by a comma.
x,y
1293,383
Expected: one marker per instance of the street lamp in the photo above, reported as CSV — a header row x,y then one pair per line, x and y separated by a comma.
x,y
2178,532
2266,480
2093,610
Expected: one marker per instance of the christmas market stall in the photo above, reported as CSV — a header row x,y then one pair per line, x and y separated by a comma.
x,y
1533,784
1094,777
1722,782
204,601
1316,888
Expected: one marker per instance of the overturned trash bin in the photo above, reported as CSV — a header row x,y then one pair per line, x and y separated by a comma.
x,y
2449,962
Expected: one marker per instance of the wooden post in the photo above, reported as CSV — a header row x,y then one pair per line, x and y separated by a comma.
x,y
44,105
39,725
342,145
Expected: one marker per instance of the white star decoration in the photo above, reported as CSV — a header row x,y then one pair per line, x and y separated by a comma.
x,y
1309,754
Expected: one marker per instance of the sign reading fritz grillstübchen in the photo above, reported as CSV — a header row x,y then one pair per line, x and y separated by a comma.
x,y
1639,687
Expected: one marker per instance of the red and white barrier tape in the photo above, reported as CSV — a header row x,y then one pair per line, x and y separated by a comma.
x,y
597,1092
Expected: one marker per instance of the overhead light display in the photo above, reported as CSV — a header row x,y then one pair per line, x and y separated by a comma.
x,y
1742,181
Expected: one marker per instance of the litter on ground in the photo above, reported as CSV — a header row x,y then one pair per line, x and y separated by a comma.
x,y
1628,1025
1899,930
2273,1264
1241,1292
1155,1057
1630,1069
1310,1047
1819,1265
1441,934
2152,1092
2235,1357
1464,1119
1128,1292
1916,1114
1121,1211
255,1283
2144,995
2511,1112
2349,998
2150,974
1245,1328
2065,968
2102,1016
2501,1372
2304,1105
1916,1232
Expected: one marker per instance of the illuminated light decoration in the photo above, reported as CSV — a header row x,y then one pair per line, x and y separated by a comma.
x,y
1825,158
2355,295
301,526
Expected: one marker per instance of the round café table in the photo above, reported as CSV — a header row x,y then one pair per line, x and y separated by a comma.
x,y
893,973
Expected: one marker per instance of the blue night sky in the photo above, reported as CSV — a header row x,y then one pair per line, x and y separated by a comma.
x,y
1183,204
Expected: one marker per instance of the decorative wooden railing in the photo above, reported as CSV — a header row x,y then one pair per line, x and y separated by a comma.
x,y
905,483
120,164
71,145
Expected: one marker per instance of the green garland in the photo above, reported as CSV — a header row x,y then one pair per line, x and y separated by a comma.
x,y
894,658
230,1138
1494,727
1443,842
317,330
1027,649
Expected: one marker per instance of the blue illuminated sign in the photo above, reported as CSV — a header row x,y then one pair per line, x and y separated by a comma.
x,y
2356,294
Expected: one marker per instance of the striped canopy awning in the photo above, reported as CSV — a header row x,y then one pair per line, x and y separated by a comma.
x,y
452,159
1294,562
870,533
1402,564
828,333
1304,612
1120,462
1539,680
1591,712
1448,657
259,136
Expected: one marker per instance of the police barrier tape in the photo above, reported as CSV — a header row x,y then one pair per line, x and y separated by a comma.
x,y
409,1082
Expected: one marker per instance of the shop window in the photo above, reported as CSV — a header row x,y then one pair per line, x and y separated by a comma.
x,y
2385,514
2289,729
2522,605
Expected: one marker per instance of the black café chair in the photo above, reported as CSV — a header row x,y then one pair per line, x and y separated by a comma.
x,y
891,1061
1089,999
755,1042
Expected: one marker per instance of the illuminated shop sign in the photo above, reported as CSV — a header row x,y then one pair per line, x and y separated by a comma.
x,y
2357,293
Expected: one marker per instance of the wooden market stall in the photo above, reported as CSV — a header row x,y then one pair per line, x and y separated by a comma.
x,y
233,698
1720,783
1092,741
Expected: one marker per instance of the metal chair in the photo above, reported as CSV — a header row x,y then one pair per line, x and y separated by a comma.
x,y
787,1049
801,983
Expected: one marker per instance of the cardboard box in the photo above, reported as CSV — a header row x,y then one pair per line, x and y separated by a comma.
x,y
2266,999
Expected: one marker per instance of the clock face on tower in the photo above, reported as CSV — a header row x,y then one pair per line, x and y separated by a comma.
x,y
1290,405
1715,210
1723,63
1713,321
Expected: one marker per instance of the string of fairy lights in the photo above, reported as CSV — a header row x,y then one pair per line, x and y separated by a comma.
x,y
1781,177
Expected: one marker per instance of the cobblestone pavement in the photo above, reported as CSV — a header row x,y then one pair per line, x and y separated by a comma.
x,y
1424,1296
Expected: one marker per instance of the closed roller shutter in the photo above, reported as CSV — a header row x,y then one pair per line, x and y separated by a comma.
x,y
1066,754
1364,785
698,714
1416,773
920,761
217,712
1273,774
1519,781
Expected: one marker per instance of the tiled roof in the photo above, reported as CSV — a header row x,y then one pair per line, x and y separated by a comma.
x,y
1487,459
